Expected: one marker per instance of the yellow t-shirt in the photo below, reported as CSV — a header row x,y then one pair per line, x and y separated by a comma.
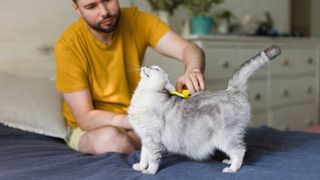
x,y
111,72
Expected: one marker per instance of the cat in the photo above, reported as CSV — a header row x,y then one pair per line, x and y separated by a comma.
x,y
196,126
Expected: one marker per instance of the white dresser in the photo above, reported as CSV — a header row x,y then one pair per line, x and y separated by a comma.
x,y
284,94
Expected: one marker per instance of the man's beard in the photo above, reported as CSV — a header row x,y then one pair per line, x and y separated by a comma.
x,y
99,28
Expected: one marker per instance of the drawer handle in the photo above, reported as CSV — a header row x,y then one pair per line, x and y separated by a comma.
x,y
285,93
225,64
258,97
310,61
309,90
285,62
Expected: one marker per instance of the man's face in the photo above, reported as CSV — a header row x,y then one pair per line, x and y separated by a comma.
x,y
100,15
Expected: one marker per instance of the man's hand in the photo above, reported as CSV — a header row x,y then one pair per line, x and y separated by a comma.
x,y
192,57
192,79
121,121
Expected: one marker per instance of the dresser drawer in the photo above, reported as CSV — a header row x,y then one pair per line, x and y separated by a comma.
x,y
285,63
259,119
220,62
307,61
284,91
306,88
257,95
295,117
287,90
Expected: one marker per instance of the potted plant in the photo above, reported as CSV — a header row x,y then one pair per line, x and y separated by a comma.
x,y
164,8
200,21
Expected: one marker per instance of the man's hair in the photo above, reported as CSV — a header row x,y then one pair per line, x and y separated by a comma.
x,y
75,1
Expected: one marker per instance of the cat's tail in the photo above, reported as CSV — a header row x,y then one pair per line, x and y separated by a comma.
x,y
243,72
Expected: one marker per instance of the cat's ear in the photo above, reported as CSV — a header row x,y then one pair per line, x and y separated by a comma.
x,y
168,86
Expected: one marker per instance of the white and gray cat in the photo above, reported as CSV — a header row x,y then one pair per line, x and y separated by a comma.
x,y
196,126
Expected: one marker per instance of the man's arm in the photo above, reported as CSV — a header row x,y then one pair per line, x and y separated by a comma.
x,y
193,58
87,117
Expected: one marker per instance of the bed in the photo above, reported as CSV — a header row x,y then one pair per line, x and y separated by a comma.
x,y
32,145
271,154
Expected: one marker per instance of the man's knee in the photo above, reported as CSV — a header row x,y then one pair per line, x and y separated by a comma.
x,y
110,139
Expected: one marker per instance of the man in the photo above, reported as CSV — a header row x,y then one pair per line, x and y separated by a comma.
x,y
97,66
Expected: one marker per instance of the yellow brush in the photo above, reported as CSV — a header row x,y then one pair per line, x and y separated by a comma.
x,y
184,94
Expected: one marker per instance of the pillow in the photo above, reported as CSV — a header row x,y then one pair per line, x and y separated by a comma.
x,y
31,104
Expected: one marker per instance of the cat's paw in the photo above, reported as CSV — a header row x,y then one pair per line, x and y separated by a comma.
x,y
226,161
137,167
149,171
152,169
229,170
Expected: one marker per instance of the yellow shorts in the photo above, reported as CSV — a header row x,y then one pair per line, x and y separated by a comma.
x,y
74,138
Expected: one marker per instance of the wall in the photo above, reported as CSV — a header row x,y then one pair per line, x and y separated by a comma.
x,y
28,30
32,24
315,16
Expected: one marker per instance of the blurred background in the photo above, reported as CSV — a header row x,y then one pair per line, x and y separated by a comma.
x,y
29,29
